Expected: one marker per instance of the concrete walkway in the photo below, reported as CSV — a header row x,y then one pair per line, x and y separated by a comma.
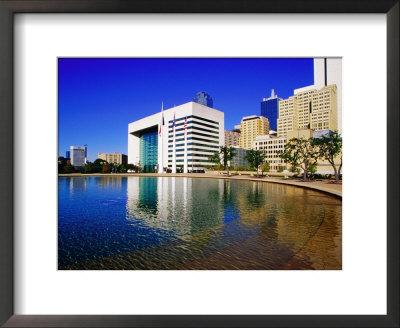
x,y
324,186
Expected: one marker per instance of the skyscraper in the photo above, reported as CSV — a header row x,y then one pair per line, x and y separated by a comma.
x,y
269,109
308,108
78,155
203,98
328,71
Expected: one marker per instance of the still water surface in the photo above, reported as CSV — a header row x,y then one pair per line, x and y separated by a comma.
x,y
188,223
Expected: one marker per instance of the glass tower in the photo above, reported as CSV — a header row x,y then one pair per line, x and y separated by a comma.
x,y
203,98
270,109
148,151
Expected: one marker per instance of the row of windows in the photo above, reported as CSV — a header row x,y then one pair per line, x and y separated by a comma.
x,y
198,160
196,117
194,144
191,128
192,133
193,149
191,154
271,151
270,142
193,122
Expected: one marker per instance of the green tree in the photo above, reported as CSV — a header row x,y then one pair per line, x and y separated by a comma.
x,y
214,158
255,158
98,166
122,168
300,152
312,169
131,167
265,167
89,167
227,154
106,168
69,168
330,147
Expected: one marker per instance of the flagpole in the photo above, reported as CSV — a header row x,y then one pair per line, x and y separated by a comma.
x,y
174,149
185,164
161,136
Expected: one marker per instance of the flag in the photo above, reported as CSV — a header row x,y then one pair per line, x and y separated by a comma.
x,y
185,126
162,119
173,124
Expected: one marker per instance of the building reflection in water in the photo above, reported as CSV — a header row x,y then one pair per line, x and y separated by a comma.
x,y
110,182
219,224
77,185
175,204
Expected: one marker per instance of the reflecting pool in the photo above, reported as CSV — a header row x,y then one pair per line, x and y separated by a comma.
x,y
126,223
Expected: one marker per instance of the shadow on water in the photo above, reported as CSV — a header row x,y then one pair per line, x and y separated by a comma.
x,y
159,223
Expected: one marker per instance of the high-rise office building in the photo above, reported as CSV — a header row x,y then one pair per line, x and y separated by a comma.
x,y
232,138
78,155
203,98
269,109
251,127
152,145
308,108
328,71
67,154
115,158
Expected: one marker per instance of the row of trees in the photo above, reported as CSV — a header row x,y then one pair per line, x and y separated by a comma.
x,y
304,154
98,166
226,154
300,153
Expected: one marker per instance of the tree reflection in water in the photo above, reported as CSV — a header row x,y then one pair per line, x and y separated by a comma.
x,y
187,223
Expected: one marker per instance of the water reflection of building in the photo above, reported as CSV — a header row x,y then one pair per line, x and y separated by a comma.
x,y
109,183
77,184
180,205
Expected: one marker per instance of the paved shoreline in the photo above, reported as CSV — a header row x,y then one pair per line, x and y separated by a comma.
x,y
323,186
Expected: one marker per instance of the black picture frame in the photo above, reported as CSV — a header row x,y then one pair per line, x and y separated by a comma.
x,y
10,7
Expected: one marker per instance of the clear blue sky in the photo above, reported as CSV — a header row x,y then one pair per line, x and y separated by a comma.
x,y
99,97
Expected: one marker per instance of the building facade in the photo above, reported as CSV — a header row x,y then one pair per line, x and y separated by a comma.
x,y
115,158
251,127
232,138
328,71
308,108
236,128
269,109
240,159
78,155
203,98
155,146
271,146
323,167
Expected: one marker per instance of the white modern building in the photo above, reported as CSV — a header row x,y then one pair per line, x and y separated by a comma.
x,y
155,146
78,155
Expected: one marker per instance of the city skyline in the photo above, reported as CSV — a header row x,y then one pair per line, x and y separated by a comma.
x,y
98,97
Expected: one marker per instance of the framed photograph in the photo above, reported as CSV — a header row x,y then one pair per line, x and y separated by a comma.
x,y
182,165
